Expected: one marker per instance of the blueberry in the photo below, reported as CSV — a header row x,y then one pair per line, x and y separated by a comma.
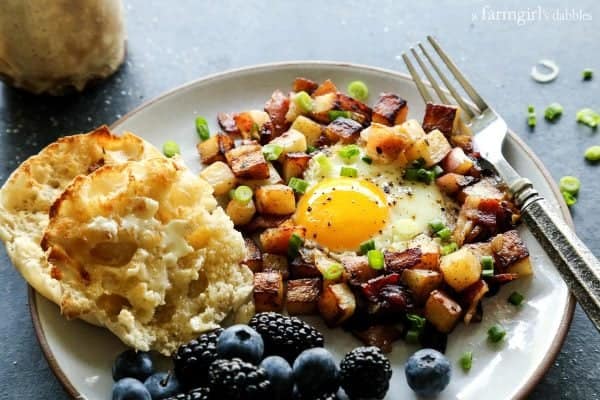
x,y
132,364
316,372
428,372
162,385
241,341
130,389
279,373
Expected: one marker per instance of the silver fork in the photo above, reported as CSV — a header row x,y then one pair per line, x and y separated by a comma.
x,y
578,266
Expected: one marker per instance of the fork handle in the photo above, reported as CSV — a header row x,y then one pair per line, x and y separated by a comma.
x,y
578,266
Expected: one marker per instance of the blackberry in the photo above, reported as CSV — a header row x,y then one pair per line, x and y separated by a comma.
x,y
285,336
366,373
193,359
237,380
201,393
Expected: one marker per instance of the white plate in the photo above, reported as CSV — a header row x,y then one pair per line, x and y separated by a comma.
x,y
81,355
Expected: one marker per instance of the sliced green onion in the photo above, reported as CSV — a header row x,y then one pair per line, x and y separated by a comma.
x,y
516,298
272,151
365,247
324,163
487,262
202,128
487,273
530,109
411,174
349,172
416,321
294,245
592,153
531,117
303,101
496,333
299,185
553,111
242,194
375,258
310,149
335,114
436,225
466,361
333,272
349,153
412,336
449,248
569,198
437,171
569,184
358,90
587,74
588,117
444,233
367,160
425,175
171,148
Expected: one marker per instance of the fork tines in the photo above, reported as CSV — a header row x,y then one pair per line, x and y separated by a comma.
x,y
442,92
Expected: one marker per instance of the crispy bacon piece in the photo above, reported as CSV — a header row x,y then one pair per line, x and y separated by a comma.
x,y
304,84
357,270
486,188
439,116
265,134
253,258
387,295
508,248
381,336
361,112
263,221
227,124
324,88
479,219
390,109
396,261
470,298
373,286
502,278
277,107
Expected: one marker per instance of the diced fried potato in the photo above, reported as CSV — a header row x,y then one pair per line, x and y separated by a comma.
x,y
214,148
322,104
275,199
421,282
508,249
294,165
269,291
304,85
452,183
240,213
249,123
471,297
357,270
461,269
310,129
523,267
385,144
440,116
227,123
303,296
290,142
382,336
277,107
274,178
344,130
479,249
219,176
336,303
487,188
442,311
413,129
464,141
438,148
390,109
276,263
253,256
326,87
277,240
300,268
247,161
457,161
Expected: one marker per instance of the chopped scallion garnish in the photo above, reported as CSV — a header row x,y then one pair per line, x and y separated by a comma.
x,y
335,114
444,233
531,117
366,246
412,336
569,198
349,153
487,266
303,101
349,172
587,74
358,90
449,248
466,361
416,321
294,245
202,128
516,299
333,272
437,171
324,163
496,333
299,185
553,111
171,148
569,184
367,160
242,194
436,225
310,149
588,117
376,260
272,151
592,153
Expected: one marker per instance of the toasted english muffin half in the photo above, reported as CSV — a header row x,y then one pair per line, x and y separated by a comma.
x,y
30,191
145,249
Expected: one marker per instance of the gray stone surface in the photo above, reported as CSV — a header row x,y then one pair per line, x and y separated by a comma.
x,y
171,42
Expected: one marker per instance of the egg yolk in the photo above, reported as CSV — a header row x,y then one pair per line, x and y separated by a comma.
x,y
341,213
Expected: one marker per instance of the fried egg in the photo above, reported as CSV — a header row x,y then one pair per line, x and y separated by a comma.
x,y
340,213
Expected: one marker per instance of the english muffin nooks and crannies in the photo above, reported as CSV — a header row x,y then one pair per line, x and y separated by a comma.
x,y
144,248
27,195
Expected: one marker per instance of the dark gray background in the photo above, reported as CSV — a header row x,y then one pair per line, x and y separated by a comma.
x,y
171,42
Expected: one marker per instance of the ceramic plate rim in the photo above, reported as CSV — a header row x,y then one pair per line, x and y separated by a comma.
x,y
567,317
